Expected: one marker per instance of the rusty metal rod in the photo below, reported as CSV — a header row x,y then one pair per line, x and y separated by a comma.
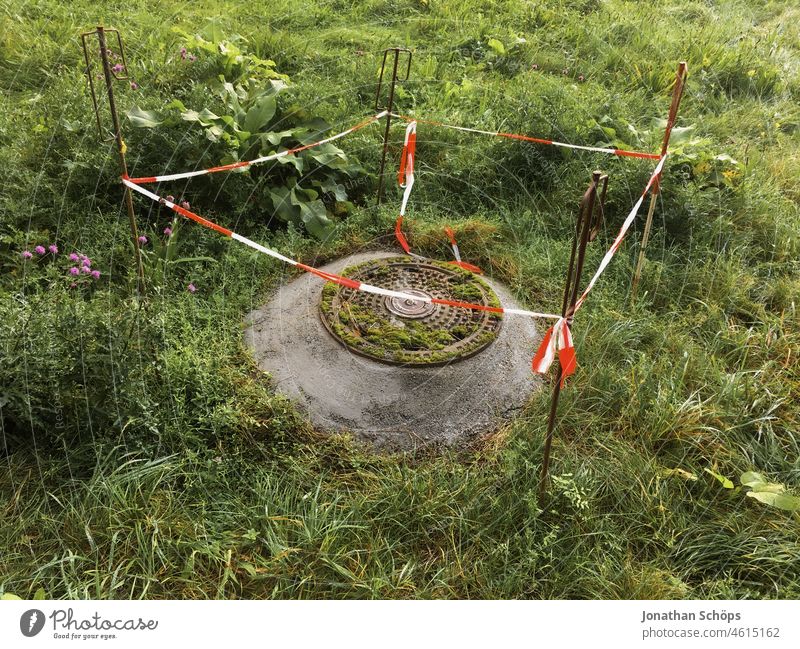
x,y
389,107
112,106
677,95
577,257
388,124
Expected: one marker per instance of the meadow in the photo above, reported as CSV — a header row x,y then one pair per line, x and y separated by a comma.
x,y
144,455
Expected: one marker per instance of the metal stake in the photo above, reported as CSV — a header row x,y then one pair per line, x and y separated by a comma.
x,y
110,76
589,220
389,107
677,94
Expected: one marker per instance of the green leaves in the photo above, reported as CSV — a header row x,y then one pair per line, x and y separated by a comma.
x,y
260,114
725,482
496,46
760,489
302,207
243,124
770,493
144,118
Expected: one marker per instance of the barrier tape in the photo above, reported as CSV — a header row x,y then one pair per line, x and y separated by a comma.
x,y
329,277
405,178
261,160
536,140
558,338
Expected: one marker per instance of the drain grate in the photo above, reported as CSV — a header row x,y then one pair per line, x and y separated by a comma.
x,y
411,332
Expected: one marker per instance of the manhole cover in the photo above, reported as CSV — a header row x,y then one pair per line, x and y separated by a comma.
x,y
406,331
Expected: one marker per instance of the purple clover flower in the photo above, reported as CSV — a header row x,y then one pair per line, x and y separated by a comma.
x,y
73,256
74,270
39,250
134,85
53,248
185,205
118,67
85,261
95,274
27,254
191,288
85,270
143,239
168,231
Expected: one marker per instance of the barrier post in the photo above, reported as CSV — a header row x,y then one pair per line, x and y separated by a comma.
x,y
389,106
677,94
590,216
110,75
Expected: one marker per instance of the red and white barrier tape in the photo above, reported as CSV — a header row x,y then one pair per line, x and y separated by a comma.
x,y
626,224
536,140
405,178
558,338
330,277
261,160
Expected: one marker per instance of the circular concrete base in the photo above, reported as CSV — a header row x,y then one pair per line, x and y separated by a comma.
x,y
391,407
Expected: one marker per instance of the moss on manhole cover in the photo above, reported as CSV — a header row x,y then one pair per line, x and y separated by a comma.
x,y
411,332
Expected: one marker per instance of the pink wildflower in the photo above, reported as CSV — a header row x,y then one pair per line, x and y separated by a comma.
x,y
74,270
118,67
168,231
185,205
142,239
27,254
134,85
39,250
95,274
73,256
53,248
191,288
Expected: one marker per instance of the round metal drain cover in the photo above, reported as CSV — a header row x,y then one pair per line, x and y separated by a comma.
x,y
408,308
406,331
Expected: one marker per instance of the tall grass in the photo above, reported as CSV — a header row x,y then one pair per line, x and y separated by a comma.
x,y
148,457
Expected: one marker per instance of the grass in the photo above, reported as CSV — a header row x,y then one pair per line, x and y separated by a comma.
x,y
147,456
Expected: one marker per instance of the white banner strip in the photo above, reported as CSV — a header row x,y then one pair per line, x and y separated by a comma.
x,y
727,624
261,160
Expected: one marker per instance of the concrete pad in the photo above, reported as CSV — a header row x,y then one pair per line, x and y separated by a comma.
x,y
393,408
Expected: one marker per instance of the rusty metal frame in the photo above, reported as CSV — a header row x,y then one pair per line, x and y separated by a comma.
x,y
590,218
677,94
110,76
389,106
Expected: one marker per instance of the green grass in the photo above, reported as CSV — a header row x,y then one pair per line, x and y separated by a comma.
x,y
148,457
